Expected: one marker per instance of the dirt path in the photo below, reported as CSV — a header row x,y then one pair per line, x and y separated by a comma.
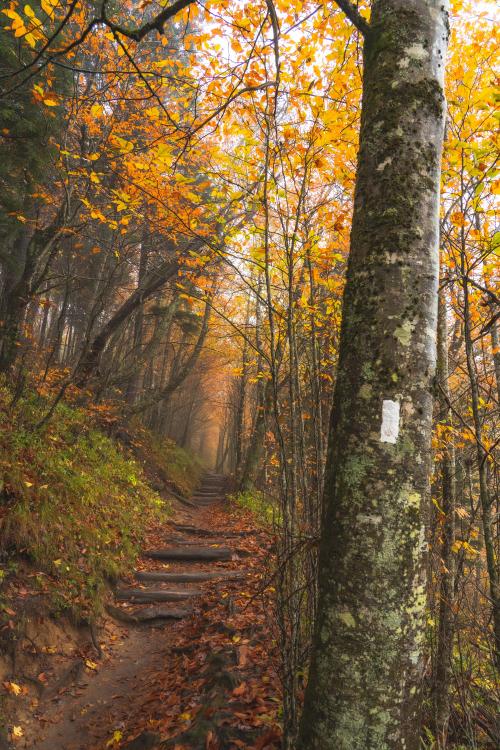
x,y
153,677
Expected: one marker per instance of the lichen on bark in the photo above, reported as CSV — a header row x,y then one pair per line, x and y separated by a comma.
x,y
363,690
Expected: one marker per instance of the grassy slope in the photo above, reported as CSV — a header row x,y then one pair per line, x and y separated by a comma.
x,y
74,503
259,504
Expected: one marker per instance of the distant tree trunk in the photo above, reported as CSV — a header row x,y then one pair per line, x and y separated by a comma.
x,y
366,673
44,324
241,400
495,342
133,384
219,460
262,403
187,421
442,677
485,500
256,444
178,376
16,294
89,361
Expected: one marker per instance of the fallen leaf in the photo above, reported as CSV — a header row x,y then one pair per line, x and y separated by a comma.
x,y
17,733
115,739
13,688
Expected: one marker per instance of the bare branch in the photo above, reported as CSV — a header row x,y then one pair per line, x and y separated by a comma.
x,y
156,24
354,16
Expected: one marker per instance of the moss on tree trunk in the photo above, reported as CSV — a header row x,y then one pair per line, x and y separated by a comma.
x,y
363,690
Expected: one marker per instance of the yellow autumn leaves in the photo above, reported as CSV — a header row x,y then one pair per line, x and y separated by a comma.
x,y
28,25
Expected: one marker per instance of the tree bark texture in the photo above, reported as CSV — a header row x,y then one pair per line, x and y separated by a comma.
x,y
364,684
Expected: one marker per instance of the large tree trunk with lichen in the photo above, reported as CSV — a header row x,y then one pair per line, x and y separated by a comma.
x,y
364,683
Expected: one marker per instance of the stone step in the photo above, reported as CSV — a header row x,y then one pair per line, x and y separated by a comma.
x,y
148,614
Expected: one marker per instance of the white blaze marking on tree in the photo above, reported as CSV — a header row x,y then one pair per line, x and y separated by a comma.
x,y
389,430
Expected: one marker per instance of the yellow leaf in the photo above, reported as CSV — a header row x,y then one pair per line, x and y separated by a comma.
x,y
17,732
50,102
13,688
185,717
124,146
90,664
458,219
115,739
48,6
28,484
12,14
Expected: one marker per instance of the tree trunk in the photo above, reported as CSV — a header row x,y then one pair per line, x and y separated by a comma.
x,y
89,362
495,343
133,384
486,502
256,443
366,672
241,401
16,295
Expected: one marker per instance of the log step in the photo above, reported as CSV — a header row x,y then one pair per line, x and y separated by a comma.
x,y
143,595
191,553
158,575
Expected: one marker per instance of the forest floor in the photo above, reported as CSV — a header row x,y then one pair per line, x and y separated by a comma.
x,y
197,674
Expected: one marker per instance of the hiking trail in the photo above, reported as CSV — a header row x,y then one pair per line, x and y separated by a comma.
x,y
182,610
